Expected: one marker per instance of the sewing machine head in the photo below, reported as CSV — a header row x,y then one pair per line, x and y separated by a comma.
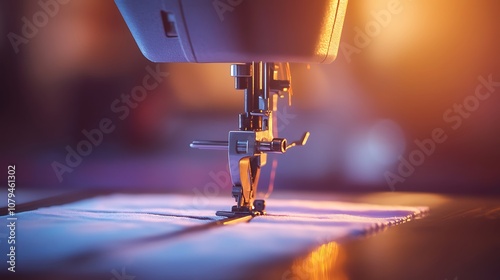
x,y
258,35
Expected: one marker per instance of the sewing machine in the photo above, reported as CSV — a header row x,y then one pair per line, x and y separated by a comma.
x,y
260,37
126,228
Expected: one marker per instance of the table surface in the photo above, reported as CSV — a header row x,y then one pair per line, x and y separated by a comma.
x,y
458,239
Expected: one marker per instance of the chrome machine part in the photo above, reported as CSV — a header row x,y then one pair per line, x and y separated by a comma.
x,y
248,146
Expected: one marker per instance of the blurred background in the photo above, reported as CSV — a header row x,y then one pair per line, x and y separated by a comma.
x,y
401,73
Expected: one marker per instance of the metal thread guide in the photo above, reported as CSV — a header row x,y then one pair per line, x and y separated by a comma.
x,y
248,147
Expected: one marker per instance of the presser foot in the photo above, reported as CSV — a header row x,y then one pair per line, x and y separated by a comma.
x,y
259,206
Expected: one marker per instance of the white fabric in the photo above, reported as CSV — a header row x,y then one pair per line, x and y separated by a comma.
x,y
114,228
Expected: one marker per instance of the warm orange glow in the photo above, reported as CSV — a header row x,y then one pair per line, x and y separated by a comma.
x,y
322,263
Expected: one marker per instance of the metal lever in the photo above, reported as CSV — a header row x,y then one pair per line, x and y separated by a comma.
x,y
300,142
